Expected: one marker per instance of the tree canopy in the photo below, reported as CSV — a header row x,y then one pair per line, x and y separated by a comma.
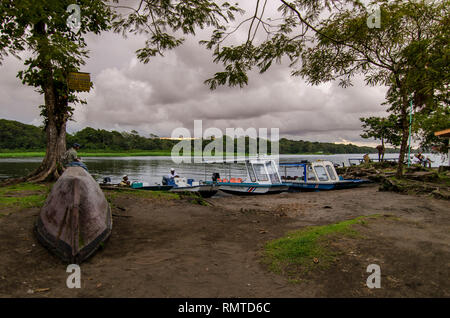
x,y
328,40
385,129
41,31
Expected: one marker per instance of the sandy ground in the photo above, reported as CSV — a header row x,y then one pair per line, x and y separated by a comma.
x,y
180,249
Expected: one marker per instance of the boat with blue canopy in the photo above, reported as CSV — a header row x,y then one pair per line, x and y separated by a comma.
x,y
314,176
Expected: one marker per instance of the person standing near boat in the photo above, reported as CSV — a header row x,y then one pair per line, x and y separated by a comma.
x,y
71,159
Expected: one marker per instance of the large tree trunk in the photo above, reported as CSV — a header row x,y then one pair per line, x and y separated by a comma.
x,y
405,135
51,167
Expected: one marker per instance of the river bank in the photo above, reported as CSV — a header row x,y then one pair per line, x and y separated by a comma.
x,y
172,246
416,178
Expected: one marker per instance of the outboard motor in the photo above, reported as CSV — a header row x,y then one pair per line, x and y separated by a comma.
x,y
165,180
215,176
106,180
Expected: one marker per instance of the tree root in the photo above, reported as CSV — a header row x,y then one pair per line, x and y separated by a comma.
x,y
40,175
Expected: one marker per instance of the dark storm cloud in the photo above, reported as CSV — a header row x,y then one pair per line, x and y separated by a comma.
x,y
17,102
169,92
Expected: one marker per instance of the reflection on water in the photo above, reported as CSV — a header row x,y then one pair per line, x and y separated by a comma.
x,y
152,169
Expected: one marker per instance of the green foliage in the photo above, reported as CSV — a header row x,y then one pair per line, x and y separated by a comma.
x,y
113,143
426,123
294,253
40,27
15,135
162,21
305,147
327,40
385,129
100,139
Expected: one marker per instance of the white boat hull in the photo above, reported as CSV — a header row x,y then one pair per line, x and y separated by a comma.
x,y
252,189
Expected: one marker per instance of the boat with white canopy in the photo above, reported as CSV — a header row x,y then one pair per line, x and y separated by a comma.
x,y
313,176
261,176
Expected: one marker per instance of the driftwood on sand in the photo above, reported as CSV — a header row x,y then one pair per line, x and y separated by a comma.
x,y
76,217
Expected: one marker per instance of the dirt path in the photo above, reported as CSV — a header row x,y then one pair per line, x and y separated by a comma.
x,y
179,249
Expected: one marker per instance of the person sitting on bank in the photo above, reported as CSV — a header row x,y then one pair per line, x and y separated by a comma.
x,y
125,182
366,158
71,159
421,158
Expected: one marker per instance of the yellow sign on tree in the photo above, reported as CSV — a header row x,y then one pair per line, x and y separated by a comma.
x,y
79,81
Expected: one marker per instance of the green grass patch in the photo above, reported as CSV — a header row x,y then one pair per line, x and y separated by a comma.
x,y
294,254
132,153
444,179
22,154
20,196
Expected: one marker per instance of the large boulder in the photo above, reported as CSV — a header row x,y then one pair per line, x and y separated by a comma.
x,y
76,217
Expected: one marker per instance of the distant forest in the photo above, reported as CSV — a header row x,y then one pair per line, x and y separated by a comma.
x,y
18,136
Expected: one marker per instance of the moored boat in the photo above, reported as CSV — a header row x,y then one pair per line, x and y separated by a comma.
x,y
175,185
189,185
314,176
262,178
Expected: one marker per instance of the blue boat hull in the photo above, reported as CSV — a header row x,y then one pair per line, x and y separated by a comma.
x,y
341,184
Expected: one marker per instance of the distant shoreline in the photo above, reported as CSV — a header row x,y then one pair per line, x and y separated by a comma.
x,y
30,154
132,153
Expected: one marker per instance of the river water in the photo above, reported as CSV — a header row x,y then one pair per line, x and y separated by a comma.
x,y
152,169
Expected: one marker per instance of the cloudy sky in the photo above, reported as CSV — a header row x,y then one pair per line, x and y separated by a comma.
x,y
169,92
